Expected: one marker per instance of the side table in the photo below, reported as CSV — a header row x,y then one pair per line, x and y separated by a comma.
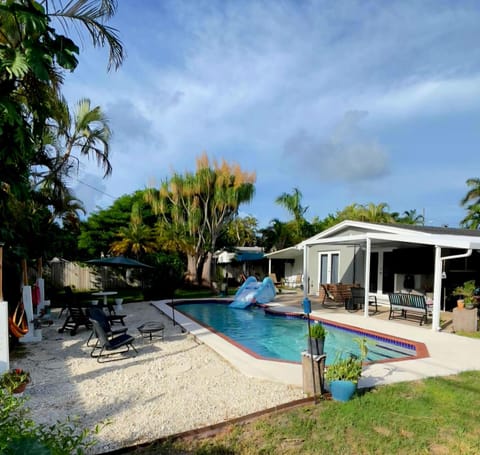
x,y
151,329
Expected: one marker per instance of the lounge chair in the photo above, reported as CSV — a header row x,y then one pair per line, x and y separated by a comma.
x,y
75,318
273,276
69,300
113,316
111,345
100,316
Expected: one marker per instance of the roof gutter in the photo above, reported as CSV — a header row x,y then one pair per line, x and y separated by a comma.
x,y
457,256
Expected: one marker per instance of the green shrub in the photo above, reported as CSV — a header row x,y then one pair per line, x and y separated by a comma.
x,y
317,331
349,369
20,434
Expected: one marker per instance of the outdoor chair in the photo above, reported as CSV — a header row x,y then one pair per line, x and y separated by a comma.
x,y
69,300
75,318
100,316
106,347
273,276
113,316
357,300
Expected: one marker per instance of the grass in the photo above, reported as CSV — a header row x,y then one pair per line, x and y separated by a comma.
x,y
432,416
468,334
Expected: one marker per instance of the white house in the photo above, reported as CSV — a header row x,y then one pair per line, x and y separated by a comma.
x,y
385,256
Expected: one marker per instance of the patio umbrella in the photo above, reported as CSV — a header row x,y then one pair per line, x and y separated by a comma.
x,y
119,261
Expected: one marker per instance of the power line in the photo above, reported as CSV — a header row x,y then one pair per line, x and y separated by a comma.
x,y
95,189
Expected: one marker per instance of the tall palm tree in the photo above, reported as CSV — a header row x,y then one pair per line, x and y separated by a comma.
x,y
471,220
293,203
474,193
90,14
87,131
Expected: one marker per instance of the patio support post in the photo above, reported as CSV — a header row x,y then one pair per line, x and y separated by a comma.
x,y
305,271
437,289
368,242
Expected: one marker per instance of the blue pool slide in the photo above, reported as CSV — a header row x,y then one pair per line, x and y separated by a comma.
x,y
253,291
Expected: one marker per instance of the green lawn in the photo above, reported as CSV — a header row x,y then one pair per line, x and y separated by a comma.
x,y
432,416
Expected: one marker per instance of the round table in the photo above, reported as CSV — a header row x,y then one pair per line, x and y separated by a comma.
x,y
148,329
105,295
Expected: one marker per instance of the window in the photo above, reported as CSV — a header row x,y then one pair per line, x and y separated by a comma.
x,y
329,267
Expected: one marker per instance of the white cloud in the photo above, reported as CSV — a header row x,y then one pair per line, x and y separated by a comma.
x,y
267,84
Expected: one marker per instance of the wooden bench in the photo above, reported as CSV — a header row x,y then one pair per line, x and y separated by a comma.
x,y
408,304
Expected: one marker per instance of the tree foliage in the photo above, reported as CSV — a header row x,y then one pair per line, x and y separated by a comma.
x,y
136,238
34,162
100,231
471,202
194,208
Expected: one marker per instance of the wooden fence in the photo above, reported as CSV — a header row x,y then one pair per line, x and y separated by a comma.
x,y
64,273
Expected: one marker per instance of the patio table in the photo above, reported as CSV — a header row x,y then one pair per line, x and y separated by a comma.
x,y
105,295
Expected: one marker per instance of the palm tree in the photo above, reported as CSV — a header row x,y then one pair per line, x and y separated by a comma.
x,y
411,217
376,213
87,130
90,14
136,238
293,203
472,219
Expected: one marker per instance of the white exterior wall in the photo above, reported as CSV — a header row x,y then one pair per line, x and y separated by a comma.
x,y
345,266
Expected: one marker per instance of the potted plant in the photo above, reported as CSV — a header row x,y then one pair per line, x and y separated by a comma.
x,y
467,291
15,381
342,376
316,338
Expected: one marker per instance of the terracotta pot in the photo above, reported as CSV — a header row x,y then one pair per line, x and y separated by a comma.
x,y
20,389
460,304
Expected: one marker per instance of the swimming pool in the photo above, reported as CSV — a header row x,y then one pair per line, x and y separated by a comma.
x,y
280,337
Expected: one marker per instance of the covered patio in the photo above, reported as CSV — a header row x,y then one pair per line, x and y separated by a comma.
x,y
370,254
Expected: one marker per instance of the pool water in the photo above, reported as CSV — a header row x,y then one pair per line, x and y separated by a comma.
x,y
284,338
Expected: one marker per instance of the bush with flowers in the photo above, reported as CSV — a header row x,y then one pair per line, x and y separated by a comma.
x,y
13,379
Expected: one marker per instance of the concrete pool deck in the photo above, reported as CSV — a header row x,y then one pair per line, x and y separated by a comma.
x,y
448,353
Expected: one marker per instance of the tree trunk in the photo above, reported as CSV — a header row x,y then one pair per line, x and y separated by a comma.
x,y
207,270
195,268
191,275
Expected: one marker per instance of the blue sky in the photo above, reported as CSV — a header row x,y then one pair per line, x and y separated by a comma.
x,y
349,101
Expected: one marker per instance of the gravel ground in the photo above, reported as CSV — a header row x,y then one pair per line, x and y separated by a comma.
x,y
171,386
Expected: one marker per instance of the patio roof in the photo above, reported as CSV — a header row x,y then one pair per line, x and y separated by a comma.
x,y
396,236
292,252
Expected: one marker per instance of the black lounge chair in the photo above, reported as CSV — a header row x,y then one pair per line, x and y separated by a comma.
x,y
69,300
111,345
75,318
100,316
113,316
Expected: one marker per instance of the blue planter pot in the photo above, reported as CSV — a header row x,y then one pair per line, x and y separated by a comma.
x,y
342,390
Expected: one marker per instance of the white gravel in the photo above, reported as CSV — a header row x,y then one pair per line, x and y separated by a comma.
x,y
171,386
